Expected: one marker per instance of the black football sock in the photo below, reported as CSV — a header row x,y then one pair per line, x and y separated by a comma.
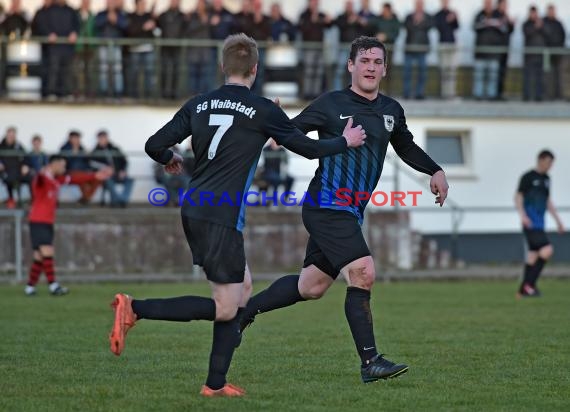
x,y
281,293
536,271
226,336
181,309
359,317
526,277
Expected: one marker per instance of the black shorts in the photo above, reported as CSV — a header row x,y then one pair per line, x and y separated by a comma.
x,y
335,240
41,234
536,239
217,248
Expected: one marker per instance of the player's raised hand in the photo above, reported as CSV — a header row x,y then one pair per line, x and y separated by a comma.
x,y
439,186
354,135
277,102
174,166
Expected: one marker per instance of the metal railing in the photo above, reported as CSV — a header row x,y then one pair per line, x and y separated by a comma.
x,y
98,63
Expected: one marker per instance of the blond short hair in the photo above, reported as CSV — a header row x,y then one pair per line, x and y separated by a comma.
x,y
239,55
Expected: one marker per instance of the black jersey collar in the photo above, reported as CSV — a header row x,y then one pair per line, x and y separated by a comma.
x,y
356,96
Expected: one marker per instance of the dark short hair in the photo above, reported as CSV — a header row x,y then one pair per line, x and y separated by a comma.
x,y
36,137
55,158
545,153
532,8
102,132
366,43
74,133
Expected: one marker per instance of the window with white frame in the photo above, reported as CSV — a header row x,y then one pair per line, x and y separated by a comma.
x,y
451,149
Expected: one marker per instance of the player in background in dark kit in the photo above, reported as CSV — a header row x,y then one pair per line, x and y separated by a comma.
x,y
229,127
532,201
336,243
45,190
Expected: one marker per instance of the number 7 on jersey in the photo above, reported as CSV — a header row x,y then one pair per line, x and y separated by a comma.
x,y
224,121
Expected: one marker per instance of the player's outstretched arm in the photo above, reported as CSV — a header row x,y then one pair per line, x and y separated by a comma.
x,y
555,215
286,134
519,204
175,131
403,143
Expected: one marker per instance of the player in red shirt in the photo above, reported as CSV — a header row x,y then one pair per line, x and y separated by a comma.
x,y
45,191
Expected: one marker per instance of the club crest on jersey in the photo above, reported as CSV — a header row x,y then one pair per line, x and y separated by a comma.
x,y
389,122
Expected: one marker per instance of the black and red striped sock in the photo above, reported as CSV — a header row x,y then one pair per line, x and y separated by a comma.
x,y
49,269
35,272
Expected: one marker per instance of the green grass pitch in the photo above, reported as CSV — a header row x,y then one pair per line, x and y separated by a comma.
x,y
470,346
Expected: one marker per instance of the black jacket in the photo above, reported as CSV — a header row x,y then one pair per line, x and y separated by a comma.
x,y
533,36
348,31
555,33
171,23
14,23
489,31
12,157
417,34
110,155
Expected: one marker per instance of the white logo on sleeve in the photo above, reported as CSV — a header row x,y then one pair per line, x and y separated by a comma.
x,y
345,117
389,122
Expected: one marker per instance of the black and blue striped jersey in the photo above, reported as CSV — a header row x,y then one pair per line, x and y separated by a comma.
x,y
229,127
358,169
535,188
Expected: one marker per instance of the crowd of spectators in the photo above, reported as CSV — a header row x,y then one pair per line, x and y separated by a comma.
x,y
73,66
19,166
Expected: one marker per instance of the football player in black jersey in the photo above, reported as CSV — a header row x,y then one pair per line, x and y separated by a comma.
x,y
336,243
532,200
229,128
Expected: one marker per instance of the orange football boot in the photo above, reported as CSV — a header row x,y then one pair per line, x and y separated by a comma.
x,y
125,319
228,390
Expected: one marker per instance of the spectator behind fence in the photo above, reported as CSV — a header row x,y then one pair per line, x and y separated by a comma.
x,y
260,30
281,28
221,26
84,51
12,167
63,25
77,163
141,25
274,168
386,28
366,17
171,24
555,38
173,183
111,23
36,158
40,28
201,60
312,25
446,23
489,29
350,26
418,24
507,27
15,22
533,73
242,18
107,154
